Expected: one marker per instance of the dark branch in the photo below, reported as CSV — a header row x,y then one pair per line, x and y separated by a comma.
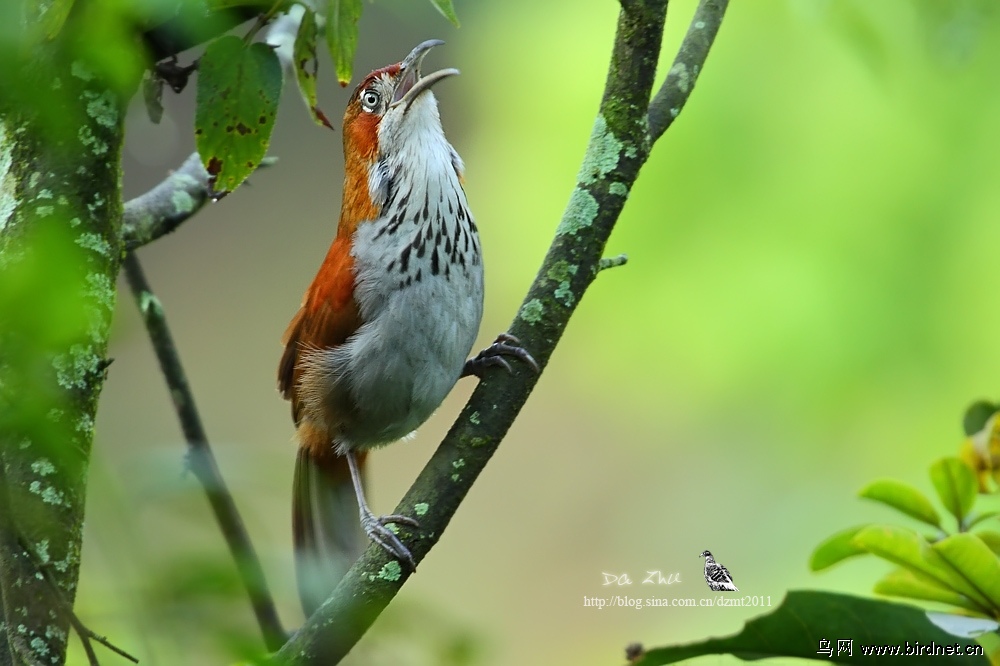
x,y
618,147
690,60
201,459
194,25
165,207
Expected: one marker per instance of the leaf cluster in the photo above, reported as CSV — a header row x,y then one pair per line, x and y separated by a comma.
x,y
955,564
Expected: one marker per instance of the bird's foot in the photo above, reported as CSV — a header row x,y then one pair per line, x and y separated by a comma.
x,y
376,527
493,356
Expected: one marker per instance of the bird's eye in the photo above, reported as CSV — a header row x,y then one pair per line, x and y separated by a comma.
x,y
370,99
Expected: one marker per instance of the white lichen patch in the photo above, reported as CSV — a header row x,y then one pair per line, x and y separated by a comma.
x,y
42,550
72,369
95,243
52,496
85,424
149,303
44,194
532,311
43,467
100,289
603,153
564,294
102,108
182,201
390,571
474,418
680,71
49,494
45,211
580,212
40,647
91,142
8,181
458,464
81,71
421,508
619,189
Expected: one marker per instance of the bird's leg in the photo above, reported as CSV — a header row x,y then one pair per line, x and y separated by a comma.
x,y
375,526
505,345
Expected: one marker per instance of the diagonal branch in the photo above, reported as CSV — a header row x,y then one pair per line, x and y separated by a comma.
x,y
176,198
619,145
676,89
162,209
202,461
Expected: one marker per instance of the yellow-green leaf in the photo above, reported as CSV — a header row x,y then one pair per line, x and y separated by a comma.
x,y
342,18
444,6
237,100
974,560
980,517
902,497
908,549
990,538
54,16
956,485
913,585
307,65
836,548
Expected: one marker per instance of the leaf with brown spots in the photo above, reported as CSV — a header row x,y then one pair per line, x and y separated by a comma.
x,y
238,91
307,65
342,18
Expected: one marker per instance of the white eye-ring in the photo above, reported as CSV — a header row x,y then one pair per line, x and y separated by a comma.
x,y
370,99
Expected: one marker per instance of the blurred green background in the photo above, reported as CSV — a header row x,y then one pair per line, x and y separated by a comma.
x,y
808,305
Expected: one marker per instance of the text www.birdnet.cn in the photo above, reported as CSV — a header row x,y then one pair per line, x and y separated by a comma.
x,y
626,601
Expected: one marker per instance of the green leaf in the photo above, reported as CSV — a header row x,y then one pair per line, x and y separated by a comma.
x,y
974,560
991,539
976,417
902,497
956,485
795,629
908,549
907,583
307,65
838,547
54,17
237,100
444,6
342,18
978,518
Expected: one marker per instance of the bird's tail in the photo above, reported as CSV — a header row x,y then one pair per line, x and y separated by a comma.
x,y
327,533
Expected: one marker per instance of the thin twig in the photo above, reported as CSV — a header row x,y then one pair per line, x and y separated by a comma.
x,y
612,262
618,148
202,460
676,89
175,199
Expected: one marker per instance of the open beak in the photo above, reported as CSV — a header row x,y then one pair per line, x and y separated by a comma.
x,y
411,85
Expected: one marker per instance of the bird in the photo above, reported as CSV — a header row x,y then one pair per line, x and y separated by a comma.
x,y
385,329
717,576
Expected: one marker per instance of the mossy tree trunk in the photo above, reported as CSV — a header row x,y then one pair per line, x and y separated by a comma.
x,y
61,132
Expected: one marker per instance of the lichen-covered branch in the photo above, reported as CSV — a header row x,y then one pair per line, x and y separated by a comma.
x,y
60,250
171,202
683,74
619,145
162,209
201,459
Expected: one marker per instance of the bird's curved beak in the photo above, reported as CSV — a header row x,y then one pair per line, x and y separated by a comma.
x,y
411,85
